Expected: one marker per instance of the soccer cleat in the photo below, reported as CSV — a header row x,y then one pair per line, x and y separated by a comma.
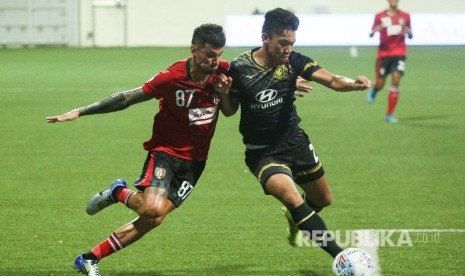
x,y
371,96
391,119
87,267
105,198
294,232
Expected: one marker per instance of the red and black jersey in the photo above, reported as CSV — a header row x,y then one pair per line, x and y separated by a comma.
x,y
392,34
188,112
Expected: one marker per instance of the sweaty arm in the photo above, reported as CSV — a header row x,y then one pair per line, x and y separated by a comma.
x,y
340,83
229,104
115,102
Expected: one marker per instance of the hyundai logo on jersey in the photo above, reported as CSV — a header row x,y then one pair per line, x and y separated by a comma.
x,y
266,99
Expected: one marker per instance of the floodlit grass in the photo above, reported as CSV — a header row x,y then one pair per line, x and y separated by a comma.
x,y
404,176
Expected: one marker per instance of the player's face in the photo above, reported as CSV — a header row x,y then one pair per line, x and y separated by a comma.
x,y
207,58
393,3
279,46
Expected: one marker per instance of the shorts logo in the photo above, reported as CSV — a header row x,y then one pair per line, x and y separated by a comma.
x,y
159,172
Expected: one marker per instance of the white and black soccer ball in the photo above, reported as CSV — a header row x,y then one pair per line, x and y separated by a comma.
x,y
353,262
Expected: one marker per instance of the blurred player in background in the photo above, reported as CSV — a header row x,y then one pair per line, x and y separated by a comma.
x,y
278,152
189,95
393,25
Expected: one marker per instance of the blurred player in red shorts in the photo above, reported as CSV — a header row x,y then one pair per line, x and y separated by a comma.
x,y
392,25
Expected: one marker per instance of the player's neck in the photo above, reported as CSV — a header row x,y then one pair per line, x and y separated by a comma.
x,y
197,75
392,11
262,58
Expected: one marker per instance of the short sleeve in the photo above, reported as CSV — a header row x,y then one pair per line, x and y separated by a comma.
x,y
155,86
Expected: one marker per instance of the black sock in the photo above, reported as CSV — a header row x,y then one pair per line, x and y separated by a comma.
x,y
308,220
89,256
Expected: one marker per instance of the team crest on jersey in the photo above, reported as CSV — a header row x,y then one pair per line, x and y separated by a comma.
x,y
279,72
159,172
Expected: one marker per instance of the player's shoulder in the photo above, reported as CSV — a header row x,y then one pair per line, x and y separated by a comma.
x,y
382,13
244,57
179,65
301,58
404,13
177,69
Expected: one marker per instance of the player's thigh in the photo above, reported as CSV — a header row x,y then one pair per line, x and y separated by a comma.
x,y
306,165
168,176
396,67
185,180
282,187
309,174
158,202
158,171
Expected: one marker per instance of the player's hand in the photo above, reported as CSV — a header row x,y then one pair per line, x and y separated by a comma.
x,y
406,30
362,83
222,84
302,87
371,34
69,116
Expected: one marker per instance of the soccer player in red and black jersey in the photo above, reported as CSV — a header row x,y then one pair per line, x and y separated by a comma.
x,y
189,94
393,25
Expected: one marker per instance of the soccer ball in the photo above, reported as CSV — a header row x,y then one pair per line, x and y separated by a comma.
x,y
353,262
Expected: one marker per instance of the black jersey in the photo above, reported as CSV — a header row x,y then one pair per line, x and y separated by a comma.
x,y
267,97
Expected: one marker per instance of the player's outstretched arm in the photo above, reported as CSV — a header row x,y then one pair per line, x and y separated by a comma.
x,y
340,83
115,102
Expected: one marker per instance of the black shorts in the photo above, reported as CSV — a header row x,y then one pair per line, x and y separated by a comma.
x,y
295,157
178,176
387,65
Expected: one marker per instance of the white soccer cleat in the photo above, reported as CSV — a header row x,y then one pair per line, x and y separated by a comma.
x,y
105,198
87,267
391,119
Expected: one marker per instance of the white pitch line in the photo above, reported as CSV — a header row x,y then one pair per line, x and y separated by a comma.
x,y
424,230
369,240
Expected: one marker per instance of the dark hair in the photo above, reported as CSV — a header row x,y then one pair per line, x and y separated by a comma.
x,y
279,19
209,33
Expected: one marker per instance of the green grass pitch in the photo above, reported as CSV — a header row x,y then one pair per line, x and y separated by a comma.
x,y
404,176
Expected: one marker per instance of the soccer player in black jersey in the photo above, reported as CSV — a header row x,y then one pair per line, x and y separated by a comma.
x,y
278,151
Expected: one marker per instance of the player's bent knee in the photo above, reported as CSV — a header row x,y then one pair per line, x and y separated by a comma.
x,y
154,213
154,218
290,200
327,200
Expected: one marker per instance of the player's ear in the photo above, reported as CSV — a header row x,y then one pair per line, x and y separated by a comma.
x,y
193,49
265,37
